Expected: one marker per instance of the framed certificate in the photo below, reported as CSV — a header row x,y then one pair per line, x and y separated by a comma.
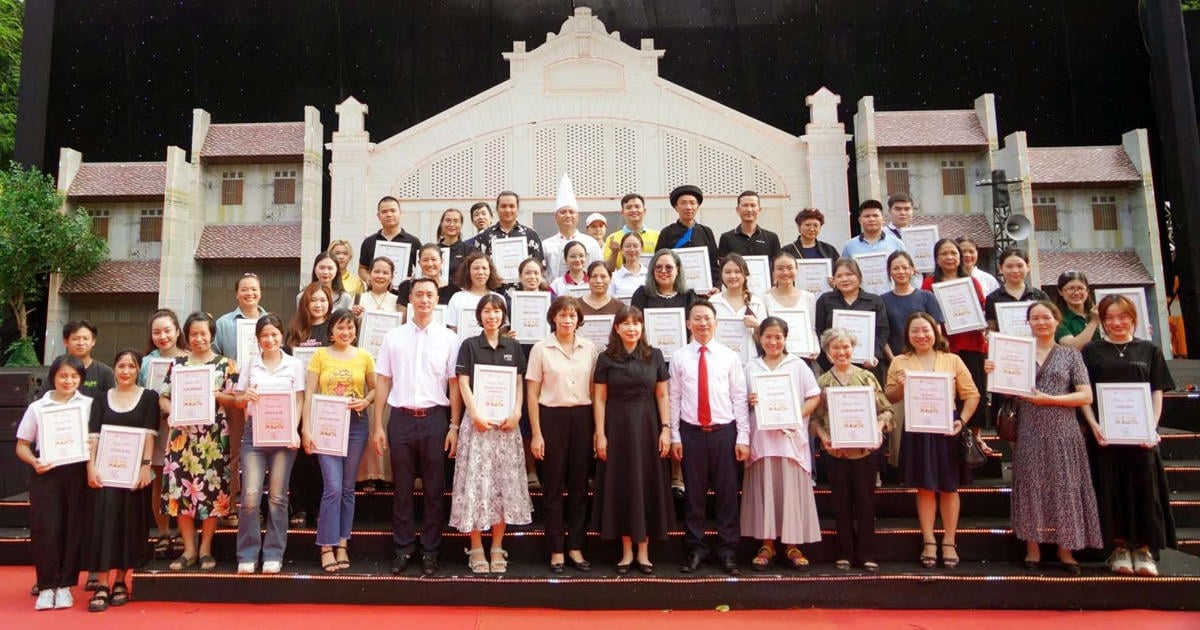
x,y
778,401
874,272
305,354
1016,369
1126,412
625,298
1011,320
852,417
929,402
665,329
579,290
812,274
696,270
596,329
62,432
247,343
861,324
400,254
732,333
439,313
759,278
918,242
274,418
495,390
507,254
960,305
528,316
119,456
193,400
444,274
802,337
375,325
467,326
1137,295
157,371
329,423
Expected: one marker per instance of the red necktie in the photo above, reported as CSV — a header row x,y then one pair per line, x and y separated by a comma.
x,y
703,413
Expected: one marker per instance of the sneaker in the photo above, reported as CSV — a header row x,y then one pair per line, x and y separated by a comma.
x,y
245,567
272,566
63,598
1143,563
45,600
1121,562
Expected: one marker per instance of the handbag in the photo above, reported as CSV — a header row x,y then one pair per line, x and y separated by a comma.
x,y
972,456
1005,413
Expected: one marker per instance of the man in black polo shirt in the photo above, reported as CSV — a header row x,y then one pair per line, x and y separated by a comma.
x,y
687,231
388,212
748,238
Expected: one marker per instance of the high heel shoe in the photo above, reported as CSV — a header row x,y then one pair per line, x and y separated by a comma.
x,y
949,563
929,561
623,569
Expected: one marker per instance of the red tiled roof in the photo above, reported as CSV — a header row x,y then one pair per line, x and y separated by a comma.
x,y
976,226
284,139
1111,267
280,240
927,129
116,276
120,179
1081,165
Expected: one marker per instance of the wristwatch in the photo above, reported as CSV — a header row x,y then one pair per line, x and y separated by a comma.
x,y
145,462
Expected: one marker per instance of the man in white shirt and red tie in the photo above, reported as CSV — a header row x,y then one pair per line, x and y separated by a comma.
x,y
710,435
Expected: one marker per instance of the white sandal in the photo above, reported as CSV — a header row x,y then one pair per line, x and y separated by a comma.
x,y
476,561
499,560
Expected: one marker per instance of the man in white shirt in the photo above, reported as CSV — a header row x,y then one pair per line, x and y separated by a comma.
x,y
417,422
566,217
710,434
900,211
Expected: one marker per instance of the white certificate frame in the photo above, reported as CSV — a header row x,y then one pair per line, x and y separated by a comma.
x,y
494,388
1015,357
923,415
374,327
193,398
271,430
626,298
157,369
247,342
444,274
1011,318
918,242
665,329
1137,295
812,275
696,271
329,422
439,313
758,280
528,316
778,401
304,355
62,433
862,325
874,270
468,327
1112,412
841,405
596,328
507,254
802,337
732,333
401,256
961,313
119,454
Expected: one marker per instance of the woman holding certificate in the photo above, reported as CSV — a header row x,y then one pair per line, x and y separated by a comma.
x,y
375,467
1081,320
348,372
932,462
735,299
490,489
310,324
630,403
576,257
196,471
429,261
851,469
598,300
269,444
165,345
664,286
1052,496
1014,266
120,516
847,294
477,277
57,492
631,274
1131,485
560,382
777,491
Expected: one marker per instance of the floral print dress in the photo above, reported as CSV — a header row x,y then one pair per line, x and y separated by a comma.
x,y
196,470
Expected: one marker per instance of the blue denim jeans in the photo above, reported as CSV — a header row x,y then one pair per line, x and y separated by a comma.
x,y
337,496
256,462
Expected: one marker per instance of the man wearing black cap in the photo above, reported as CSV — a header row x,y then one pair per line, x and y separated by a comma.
x,y
687,232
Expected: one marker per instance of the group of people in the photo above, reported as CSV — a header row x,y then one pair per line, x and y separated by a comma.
x,y
644,426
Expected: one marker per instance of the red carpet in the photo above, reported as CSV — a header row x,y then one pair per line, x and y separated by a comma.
x,y
16,608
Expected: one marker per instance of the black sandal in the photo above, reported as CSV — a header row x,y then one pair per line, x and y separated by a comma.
x,y
207,563
182,562
332,566
99,600
91,585
162,546
120,594
342,564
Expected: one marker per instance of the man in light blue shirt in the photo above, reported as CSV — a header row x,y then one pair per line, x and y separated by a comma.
x,y
873,239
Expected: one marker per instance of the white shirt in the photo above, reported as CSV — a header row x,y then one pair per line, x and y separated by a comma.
x,y
625,282
986,280
28,428
726,387
420,362
552,250
725,310
288,376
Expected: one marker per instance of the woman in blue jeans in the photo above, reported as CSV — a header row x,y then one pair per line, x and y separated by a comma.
x,y
272,370
340,370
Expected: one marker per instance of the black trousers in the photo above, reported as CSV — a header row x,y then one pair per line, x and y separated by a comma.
x,y
709,461
852,489
58,521
305,485
417,450
568,434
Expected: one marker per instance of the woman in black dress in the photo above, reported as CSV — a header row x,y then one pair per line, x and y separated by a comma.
x,y
1131,485
120,523
630,404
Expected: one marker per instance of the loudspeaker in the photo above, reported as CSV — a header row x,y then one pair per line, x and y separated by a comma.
x,y
1018,227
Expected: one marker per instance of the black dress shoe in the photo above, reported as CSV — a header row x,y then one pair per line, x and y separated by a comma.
x,y
647,569
400,562
730,566
556,568
677,492
623,569
1031,565
579,565
429,564
695,559
1071,567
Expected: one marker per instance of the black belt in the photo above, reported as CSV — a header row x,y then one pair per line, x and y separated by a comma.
x,y
708,429
417,412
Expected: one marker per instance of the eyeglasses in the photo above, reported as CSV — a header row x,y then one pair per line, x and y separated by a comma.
x,y
664,267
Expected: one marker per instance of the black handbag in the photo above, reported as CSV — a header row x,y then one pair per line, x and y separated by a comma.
x,y
972,456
